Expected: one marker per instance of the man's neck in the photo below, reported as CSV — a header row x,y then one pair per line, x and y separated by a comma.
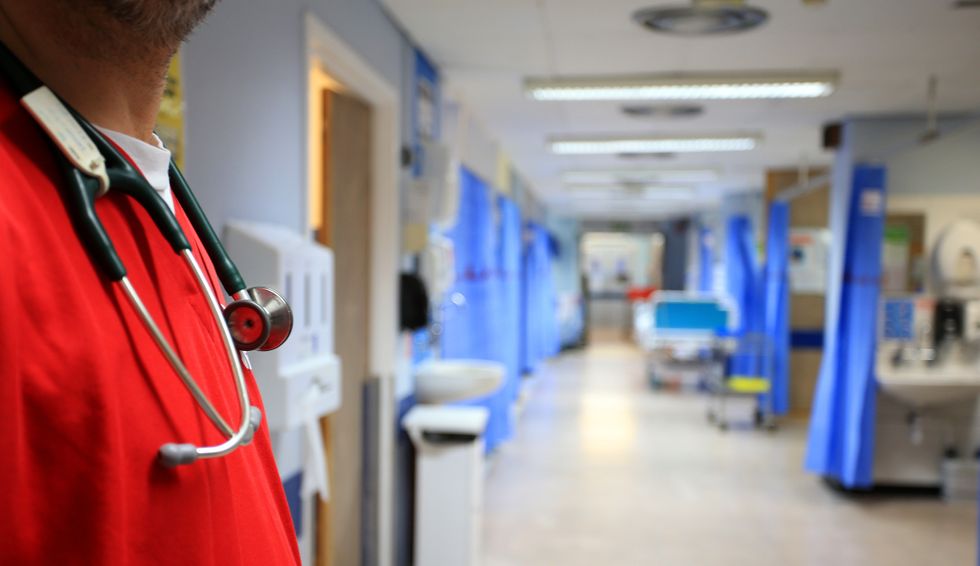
x,y
112,88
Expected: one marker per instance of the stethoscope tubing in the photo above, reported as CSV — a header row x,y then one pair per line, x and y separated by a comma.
x,y
81,193
175,454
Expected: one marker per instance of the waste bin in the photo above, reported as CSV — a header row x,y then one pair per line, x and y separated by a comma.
x,y
449,483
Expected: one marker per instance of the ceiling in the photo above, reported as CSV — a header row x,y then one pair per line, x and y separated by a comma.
x,y
884,51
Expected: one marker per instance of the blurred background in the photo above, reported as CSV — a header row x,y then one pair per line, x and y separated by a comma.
x,y
690,282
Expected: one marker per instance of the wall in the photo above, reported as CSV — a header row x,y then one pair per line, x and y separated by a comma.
x,y
940,179
610,251
567,275
940,210
676,256
520,191
806,310
245,80
751,204
471,143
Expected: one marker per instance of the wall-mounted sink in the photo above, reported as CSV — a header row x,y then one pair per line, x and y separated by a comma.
x,y
919,386
446,381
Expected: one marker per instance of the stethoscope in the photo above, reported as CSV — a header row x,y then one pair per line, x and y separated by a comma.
x,y
257,319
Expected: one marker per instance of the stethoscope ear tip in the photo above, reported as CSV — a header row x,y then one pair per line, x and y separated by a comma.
x,y
255,419
172,454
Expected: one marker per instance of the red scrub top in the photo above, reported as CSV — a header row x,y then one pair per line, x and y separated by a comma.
x,y
87,399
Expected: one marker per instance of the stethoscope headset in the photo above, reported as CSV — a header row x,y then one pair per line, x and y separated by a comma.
x,y
257,319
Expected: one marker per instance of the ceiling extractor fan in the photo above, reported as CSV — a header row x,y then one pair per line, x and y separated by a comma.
x,y
702,17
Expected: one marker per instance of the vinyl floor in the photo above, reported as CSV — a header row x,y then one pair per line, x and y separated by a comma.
x,y
605,471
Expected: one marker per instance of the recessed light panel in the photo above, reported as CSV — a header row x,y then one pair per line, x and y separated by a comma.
x,y
688,87
653,145
648,176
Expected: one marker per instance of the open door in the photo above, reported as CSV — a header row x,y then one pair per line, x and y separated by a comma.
x,y
346,229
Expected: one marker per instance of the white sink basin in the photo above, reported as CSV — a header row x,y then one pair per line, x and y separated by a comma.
x,y
446,381
918,386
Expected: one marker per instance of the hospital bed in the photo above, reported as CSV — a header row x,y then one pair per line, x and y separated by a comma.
x,y
748,378
690,344
686,338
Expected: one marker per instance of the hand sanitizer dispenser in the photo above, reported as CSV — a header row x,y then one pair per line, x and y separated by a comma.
x,y
300,381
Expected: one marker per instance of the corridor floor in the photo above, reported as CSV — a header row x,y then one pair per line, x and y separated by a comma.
x,y
604,471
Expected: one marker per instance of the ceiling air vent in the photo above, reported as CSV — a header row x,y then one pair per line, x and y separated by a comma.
x,y
632,156
661,111
702,17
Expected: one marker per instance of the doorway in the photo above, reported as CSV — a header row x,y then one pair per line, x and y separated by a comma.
x,y
354,204
344,225
619,268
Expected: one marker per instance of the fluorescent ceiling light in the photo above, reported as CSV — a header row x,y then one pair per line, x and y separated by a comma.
x,y
653,145
643,176
643,195
688,87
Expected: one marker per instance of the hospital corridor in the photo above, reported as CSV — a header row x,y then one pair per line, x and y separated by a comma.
x,y
490,282
603,471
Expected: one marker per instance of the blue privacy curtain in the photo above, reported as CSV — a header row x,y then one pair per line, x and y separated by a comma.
x,y
841,442
777,303
540,312
706,260
474,330
509,250
745,289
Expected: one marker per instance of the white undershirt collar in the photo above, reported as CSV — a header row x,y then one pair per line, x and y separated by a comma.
x,y
152,160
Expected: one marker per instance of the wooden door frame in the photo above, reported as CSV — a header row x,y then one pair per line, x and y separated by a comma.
x,y
325,49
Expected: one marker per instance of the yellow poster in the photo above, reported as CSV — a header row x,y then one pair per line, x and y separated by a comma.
x,y
170,120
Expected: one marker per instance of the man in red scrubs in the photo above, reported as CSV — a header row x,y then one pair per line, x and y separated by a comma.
x,y
86,397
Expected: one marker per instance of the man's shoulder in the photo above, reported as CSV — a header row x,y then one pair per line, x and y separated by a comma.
x,y
25,158
28,173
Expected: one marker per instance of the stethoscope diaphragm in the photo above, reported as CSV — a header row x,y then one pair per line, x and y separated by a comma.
x,y
259,319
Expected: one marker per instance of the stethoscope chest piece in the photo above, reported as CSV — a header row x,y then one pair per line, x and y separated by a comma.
x,y
260,319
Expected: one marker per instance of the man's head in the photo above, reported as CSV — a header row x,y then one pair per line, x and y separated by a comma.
x,y
108,30
107,58
158,24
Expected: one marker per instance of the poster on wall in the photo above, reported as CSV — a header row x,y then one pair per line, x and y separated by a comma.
x,y
426,111
427,162
895,258
425,100
170,120
808,260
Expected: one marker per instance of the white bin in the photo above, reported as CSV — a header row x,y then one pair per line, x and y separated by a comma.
x,y
448,483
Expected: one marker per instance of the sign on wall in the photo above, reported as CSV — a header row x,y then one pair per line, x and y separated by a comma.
x,y
808,257
170,120
427,167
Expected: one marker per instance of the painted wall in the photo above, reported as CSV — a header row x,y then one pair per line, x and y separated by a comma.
x,y
675,255
940,210
566,274
566,270
472,144
751,204
941,178
245,79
